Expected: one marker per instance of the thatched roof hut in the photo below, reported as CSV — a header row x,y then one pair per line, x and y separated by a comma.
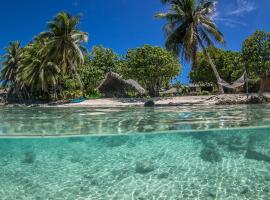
x,y
115,86
172,91
198,88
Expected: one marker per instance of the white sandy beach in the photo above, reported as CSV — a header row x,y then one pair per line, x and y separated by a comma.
x,y
165,101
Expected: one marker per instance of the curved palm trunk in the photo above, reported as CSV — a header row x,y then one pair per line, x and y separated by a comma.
x,y
213,66
77,76
194,57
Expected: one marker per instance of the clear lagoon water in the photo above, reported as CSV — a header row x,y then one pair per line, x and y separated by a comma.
x,y
217,152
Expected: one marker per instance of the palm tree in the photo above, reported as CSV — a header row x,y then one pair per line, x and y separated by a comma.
x,y
33,72
11,63
64,47
189,27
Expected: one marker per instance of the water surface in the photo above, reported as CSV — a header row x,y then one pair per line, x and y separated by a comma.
x,y
101,121
135,153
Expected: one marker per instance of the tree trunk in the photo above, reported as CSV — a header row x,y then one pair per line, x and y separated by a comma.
x,y
213,66
265,85
77,76
153,92
220,87
194,59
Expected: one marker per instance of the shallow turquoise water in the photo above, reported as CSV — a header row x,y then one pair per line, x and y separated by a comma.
x,y
191,153
100,121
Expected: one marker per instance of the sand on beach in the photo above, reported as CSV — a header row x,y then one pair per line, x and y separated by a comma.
x,y
166,101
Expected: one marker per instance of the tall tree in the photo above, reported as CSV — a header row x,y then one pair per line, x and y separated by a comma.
x,y
190,27
153,67
33,72
230,66
104,59
11,63
64,46
256,54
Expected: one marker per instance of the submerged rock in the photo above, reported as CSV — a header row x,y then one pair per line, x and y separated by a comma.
x,y
255,155
244,190
259,147
238,143
76,139
210,155
144,167
163,175
212,192
29,157
211,144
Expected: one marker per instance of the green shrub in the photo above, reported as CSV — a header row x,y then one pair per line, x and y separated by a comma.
x,y
72,94
205,93
184,90
153,67
94,95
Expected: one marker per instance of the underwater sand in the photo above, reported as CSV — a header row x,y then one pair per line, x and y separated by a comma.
x,y
174,153
141,167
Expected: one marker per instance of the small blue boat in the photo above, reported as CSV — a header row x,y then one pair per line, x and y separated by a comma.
x,y
78,100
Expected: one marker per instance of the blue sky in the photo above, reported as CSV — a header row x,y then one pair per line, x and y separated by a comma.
x,y
123,24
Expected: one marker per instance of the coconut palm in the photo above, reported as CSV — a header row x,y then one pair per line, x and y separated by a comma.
x,y
33,72
64,46
11,63
190,27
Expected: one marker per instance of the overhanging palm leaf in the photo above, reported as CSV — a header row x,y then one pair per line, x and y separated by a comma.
x,y
11,63
64,46
33,72
190,27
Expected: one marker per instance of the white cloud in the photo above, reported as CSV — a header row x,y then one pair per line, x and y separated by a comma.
x,y
230,22
231,18
243,7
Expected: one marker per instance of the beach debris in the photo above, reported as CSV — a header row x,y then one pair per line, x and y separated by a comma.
x,y
59,102
258,100
144,167
210,155
149,103
233,99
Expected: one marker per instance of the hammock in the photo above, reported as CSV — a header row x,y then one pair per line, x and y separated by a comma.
x,y
238,83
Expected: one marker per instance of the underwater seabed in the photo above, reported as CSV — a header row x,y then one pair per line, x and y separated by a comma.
x,y
226,164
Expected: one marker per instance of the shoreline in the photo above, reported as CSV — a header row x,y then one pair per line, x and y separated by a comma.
x,y
224,99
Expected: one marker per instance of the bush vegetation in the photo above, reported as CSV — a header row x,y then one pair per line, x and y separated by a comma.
x,y
57,65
